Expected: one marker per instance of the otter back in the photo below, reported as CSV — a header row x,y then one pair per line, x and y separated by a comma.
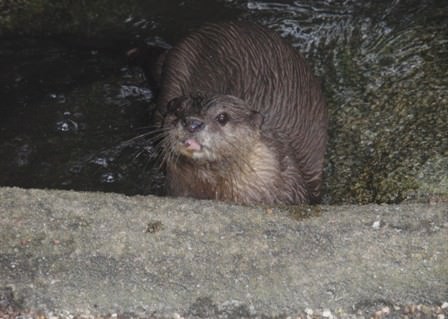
x,y
268,77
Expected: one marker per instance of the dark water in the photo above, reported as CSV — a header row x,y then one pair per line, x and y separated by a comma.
x,y
71,108
64,113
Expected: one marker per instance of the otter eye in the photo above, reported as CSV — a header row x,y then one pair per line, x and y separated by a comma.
x,y
222,118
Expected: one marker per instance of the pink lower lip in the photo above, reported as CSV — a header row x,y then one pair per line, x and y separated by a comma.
x,y
192,145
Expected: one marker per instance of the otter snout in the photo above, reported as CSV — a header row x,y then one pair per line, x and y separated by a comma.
x,y
192,124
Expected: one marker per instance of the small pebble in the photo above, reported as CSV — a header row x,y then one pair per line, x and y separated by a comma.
x,y
376,224
327,314
427,310
309,311
381,313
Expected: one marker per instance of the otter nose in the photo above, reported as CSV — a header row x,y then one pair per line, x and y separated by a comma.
x,y
193,125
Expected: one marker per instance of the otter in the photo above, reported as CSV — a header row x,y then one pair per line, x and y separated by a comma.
x,y
243,118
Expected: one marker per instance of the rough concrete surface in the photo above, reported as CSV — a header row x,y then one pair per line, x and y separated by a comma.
x,y
95,253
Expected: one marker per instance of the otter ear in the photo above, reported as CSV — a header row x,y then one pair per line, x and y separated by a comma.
x,y
176,105
256,119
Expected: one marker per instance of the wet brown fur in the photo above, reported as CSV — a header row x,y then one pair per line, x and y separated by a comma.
x,y
275,157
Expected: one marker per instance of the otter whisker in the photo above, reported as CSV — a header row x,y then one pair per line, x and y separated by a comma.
x,y
156,136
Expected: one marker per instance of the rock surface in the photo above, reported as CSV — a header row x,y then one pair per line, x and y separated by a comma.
x,y
95,253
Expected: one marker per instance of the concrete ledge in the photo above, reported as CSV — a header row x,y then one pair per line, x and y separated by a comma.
x,y
95,253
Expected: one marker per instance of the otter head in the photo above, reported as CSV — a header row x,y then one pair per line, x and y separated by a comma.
x,y
210,129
